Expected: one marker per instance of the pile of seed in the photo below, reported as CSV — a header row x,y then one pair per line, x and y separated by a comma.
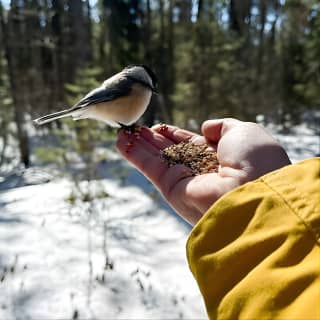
x,y
199,158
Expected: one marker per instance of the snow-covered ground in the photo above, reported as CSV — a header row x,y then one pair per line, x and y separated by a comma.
x,y
301,143
120,256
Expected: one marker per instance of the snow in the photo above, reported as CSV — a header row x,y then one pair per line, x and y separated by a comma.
x,y
59,254
120,256
301,143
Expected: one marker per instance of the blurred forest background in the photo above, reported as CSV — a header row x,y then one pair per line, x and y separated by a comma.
x,y
214,58
82,234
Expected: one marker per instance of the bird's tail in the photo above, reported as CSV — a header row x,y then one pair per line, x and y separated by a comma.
x,y
53,116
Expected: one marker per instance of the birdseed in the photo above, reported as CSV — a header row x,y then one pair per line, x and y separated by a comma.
x,y
199,158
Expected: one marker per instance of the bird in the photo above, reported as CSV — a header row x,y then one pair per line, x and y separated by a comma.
x,y
120,100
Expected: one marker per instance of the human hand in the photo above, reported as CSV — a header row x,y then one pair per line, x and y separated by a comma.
x,y
244,150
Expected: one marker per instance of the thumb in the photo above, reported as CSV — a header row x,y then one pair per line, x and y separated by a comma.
x,y
213,130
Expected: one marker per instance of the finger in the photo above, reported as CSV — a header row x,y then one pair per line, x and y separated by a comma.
x,y
143,155
146,158
213,130
159,141
177,135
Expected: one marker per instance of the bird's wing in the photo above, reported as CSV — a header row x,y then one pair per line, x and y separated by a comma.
x,y
112,91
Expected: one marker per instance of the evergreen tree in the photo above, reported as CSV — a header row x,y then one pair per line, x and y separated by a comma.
x,y
308,87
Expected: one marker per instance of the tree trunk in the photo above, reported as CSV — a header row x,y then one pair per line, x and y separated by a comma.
x,y
18,98
185,11
150,115
200,9
164,64
263,15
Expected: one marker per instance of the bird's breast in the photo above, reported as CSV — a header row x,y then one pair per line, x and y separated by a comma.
x,y
125,110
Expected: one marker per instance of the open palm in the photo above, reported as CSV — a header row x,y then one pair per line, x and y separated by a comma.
x,y
244,150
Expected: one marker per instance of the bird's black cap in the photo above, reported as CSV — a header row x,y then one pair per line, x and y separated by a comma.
x,y
151,74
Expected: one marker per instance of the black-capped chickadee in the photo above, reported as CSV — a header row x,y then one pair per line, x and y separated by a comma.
x,y
120,101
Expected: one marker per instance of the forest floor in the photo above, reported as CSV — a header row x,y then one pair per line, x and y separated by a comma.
x,y
118,256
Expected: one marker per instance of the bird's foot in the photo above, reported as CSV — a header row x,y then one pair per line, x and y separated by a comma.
x,y
133,132
132,129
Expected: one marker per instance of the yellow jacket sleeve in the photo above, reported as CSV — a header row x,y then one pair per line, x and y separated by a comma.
x,y
256,252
